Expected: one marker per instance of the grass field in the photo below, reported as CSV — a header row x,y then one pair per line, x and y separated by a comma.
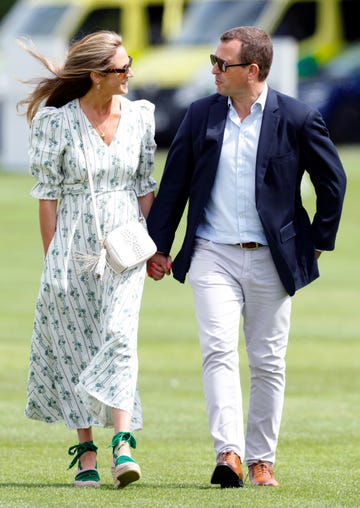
x,y
319,448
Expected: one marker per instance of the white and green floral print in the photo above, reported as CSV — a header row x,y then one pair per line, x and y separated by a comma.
x,y
83,359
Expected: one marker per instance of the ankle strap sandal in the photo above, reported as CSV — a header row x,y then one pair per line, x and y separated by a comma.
x,y
124,469
88,477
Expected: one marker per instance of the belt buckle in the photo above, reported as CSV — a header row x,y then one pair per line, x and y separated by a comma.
x,y
256,246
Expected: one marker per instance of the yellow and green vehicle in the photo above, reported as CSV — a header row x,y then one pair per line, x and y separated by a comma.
x,y
174,73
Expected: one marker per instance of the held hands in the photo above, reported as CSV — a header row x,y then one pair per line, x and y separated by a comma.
x,y
158,266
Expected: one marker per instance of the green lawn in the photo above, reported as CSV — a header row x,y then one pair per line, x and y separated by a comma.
x,y
318,453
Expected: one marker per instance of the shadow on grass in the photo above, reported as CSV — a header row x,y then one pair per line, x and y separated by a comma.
x,y
143,485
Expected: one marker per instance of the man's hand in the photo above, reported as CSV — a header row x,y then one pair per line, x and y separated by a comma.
x,y
158,266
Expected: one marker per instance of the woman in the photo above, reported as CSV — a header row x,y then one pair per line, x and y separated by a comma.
x,y
83,365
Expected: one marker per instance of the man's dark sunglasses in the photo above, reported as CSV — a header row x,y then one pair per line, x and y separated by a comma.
x,y
223,65
123,70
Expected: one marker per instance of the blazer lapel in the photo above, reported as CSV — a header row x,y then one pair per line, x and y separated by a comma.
x,y
216,121
268,136
211,149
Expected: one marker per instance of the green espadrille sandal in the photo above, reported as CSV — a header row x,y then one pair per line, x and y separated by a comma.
x,y
84,477
124,469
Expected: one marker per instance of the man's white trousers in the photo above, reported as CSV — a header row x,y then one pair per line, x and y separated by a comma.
x,y
230,283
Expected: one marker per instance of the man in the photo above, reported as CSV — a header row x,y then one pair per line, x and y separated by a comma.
x,y
238,160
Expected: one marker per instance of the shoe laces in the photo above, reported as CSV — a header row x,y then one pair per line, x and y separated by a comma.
x,y
118,441
79,449
123,437
262,469
225,455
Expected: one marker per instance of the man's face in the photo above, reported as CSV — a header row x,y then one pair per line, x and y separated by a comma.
x,y
234,80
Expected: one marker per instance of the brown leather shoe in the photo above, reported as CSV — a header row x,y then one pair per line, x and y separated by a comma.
x,y
262,473
228,471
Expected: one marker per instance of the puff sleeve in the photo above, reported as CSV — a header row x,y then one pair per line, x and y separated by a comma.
x,y
144,182
46,152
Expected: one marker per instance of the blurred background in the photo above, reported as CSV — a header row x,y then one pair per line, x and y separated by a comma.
x,y
316,54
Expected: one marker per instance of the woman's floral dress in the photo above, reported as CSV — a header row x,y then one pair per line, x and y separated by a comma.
x,y
83,357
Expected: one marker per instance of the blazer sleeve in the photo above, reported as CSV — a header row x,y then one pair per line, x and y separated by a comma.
x,y
170,202
328,178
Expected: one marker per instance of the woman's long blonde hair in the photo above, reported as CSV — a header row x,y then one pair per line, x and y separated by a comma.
x,y
72,80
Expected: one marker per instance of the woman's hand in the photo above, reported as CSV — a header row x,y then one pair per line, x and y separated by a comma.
x,y
158,266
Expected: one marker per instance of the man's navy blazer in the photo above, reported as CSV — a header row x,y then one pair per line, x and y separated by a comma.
x,y
293,139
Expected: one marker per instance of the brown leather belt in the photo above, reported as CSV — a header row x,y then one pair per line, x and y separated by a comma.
x,y
250,245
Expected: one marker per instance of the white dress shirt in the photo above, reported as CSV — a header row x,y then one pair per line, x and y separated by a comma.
x,y
230,215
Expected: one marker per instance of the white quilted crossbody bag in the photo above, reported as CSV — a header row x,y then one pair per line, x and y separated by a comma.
x,y
125,246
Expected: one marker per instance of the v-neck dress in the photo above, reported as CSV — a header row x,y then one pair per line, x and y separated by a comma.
x,y
83,358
